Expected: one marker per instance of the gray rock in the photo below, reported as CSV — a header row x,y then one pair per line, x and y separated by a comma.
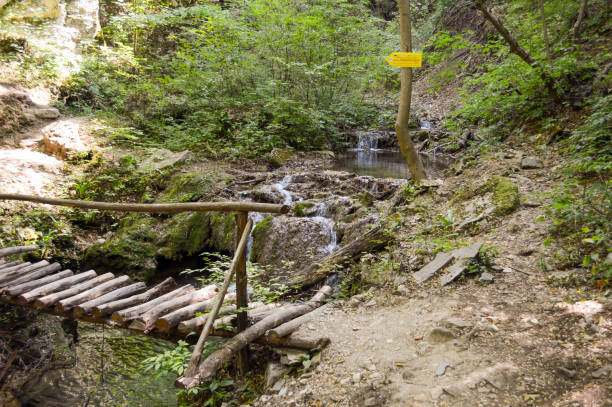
x,y
278,157
455,271
357,377
371,402
278,385
457,323
486,277
274,371
441,369
402,290
570,374
530,163
602,371
440,335
526,251
467,252
47,113
439,262
161,159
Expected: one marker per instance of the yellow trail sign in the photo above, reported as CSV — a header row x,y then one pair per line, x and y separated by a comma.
x,y
405,59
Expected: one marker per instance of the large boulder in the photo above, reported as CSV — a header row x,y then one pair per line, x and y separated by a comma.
x,y
161,159
61,138
278,157
187,234
186,187
278,240
33,11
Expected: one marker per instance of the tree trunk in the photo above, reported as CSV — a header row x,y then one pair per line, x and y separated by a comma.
x,y
516,49
403,115
15,290
94,292
162,288
288,327
371,240
208,367
10,264
195,324
33,272
545,32
581,14
169,321
125,315
46,291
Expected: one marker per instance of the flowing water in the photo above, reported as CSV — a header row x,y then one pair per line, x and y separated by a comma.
x,y
107,370
368,159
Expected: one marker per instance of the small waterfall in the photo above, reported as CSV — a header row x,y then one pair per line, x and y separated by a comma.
x,y
280,188
256,217
328,227
367,140
425,124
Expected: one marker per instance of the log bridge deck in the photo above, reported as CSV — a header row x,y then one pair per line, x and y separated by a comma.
x,y
164,310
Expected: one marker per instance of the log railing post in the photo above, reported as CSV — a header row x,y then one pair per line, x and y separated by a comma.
x,y
242,297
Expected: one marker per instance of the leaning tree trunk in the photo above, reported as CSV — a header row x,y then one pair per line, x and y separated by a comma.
x,y
515,48
403,115
581,14
545,32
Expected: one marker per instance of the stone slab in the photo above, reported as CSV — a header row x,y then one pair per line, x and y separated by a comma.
x,y
438,263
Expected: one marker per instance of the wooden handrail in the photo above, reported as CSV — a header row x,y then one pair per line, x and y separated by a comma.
x,y
154,208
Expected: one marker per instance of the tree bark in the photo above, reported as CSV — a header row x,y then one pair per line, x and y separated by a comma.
x,y
289,327
33,272
8,251
47,290
403,115
126,315
242,296
15,290
10,272
117,294
94,292
520,52
372,240
208,367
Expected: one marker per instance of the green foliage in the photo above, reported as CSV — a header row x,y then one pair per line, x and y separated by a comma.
x,y
242,80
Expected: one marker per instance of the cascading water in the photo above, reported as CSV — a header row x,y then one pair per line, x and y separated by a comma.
x,y
280,188
367,141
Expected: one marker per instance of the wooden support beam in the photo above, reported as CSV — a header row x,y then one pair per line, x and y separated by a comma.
x,y
42,295
87,307
96,291
15,290
169,321
9,264
124,316
150,208
242,296
160,289
9,251
33,272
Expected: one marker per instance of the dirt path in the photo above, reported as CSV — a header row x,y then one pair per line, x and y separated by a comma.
x,y
518,341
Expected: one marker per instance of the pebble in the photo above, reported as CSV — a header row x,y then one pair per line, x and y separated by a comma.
x,y
371,402
567,373
371,303
440,335
357,377
602,371
486,277
442,368
531,163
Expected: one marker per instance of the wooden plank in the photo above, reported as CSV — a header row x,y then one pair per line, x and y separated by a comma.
x,y
9,251
439,262
117,294
127,315
54,287
9,264
74,289
33,272
160,289
15,290
94,292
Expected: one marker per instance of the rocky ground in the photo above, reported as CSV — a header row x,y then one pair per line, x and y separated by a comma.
x,y
528,337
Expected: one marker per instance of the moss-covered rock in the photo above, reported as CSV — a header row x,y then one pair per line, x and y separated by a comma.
x,y
300,207
131,250
278,157
188,187
260,236
222,229
186,234
506,197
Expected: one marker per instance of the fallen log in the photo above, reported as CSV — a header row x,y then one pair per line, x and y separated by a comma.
x,y
9,264
160,289
292,341
372,240
124,316
209,366
95,292
59,285
117,294
196,324
15,290
146,321
9,251
288,327
169,321
33,274
8,273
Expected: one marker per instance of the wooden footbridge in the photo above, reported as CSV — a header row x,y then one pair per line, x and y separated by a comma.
x,y
163,310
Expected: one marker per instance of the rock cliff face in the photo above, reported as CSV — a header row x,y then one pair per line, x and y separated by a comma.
x,y
57,29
